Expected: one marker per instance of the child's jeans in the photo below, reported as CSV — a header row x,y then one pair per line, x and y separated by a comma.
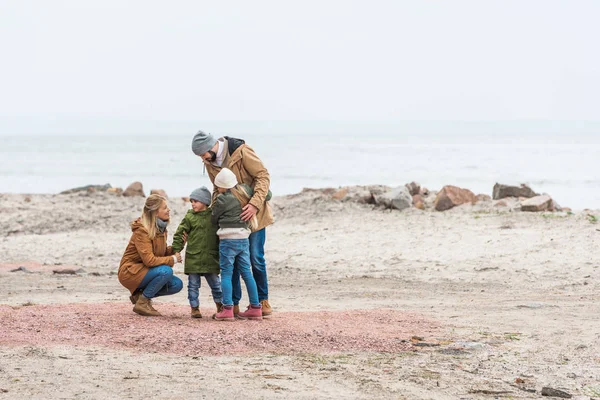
x,y
194,288
236,252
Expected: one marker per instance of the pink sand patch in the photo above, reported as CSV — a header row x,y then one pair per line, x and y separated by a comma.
x,y
116,326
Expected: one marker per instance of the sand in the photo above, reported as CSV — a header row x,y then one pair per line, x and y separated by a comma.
x,y
475,302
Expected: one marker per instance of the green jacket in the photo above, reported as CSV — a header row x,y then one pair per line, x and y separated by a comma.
x,y
227,209
202,251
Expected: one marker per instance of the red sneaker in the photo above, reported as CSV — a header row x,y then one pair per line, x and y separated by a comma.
x,y
252,312
226,314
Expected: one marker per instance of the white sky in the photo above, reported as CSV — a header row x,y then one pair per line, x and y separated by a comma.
x,y
180,63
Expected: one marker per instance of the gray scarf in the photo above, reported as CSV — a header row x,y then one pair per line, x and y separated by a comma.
x,y
161,225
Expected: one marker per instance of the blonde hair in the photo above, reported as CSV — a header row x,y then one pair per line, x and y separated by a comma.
x,y
153,203
244,197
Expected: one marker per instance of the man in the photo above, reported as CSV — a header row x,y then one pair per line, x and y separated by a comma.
x,y
235,154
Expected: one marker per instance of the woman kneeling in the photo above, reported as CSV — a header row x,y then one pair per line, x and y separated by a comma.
x,y
147,266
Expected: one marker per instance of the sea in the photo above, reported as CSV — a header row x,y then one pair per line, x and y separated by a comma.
x,y
565,166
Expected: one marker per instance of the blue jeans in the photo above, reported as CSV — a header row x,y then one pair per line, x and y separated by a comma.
x,y
236,252
259,268
159,281
194,284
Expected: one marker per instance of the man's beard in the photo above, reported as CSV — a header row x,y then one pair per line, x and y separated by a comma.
x,y
213,156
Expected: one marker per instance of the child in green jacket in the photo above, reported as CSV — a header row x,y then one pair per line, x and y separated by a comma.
x,y
202,252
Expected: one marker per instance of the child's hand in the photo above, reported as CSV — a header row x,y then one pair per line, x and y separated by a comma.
x,y
178,255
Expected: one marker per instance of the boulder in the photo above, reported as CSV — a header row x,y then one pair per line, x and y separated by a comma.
x,y
159,192
452,196
418,201
340,194
483,197
88,188
501,191
115,191
537,203
398,198
424,192
413,188
135,189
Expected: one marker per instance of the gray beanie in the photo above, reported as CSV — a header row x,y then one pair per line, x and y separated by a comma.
x,y
202,194
202,143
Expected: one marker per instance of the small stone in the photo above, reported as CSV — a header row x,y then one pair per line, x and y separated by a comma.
x,y
548,391
65,271
22,269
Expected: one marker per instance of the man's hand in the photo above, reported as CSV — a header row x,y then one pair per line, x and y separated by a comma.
x,y
248,212
178,255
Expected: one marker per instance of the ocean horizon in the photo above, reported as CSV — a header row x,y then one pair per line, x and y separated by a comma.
x,y
564,166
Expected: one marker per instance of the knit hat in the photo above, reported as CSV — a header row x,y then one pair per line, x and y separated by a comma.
x,y
225,179
202,142
202,194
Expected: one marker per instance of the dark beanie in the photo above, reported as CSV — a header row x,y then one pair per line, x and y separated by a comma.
x,y
202,143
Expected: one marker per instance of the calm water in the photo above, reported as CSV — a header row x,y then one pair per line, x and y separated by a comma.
x,y
566,167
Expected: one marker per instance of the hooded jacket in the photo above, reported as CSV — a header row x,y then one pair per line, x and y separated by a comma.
x,y
141,254
202,251
249,169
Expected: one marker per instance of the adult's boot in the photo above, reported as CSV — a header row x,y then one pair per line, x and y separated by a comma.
x,y
143,306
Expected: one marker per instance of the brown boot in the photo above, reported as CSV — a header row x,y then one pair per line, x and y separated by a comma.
x,y
236,310
134,297
266,308
219,309
143,306
196,312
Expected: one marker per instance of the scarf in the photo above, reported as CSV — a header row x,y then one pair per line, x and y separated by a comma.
x,y
161,225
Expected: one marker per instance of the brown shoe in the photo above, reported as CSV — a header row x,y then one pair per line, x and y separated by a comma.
x,y
266,308
219,309
143,306
134,297
236,310
196,312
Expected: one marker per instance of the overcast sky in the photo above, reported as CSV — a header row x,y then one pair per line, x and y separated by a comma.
x,y
112,64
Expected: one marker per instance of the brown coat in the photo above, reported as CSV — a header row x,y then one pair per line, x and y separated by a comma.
x,y
142,254
248,169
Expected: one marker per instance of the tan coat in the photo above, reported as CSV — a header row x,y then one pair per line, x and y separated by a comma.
x,y
142,254
248,169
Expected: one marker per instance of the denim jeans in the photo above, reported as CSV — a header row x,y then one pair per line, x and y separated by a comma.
x,y
259,268
236,252
194,284
160,281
